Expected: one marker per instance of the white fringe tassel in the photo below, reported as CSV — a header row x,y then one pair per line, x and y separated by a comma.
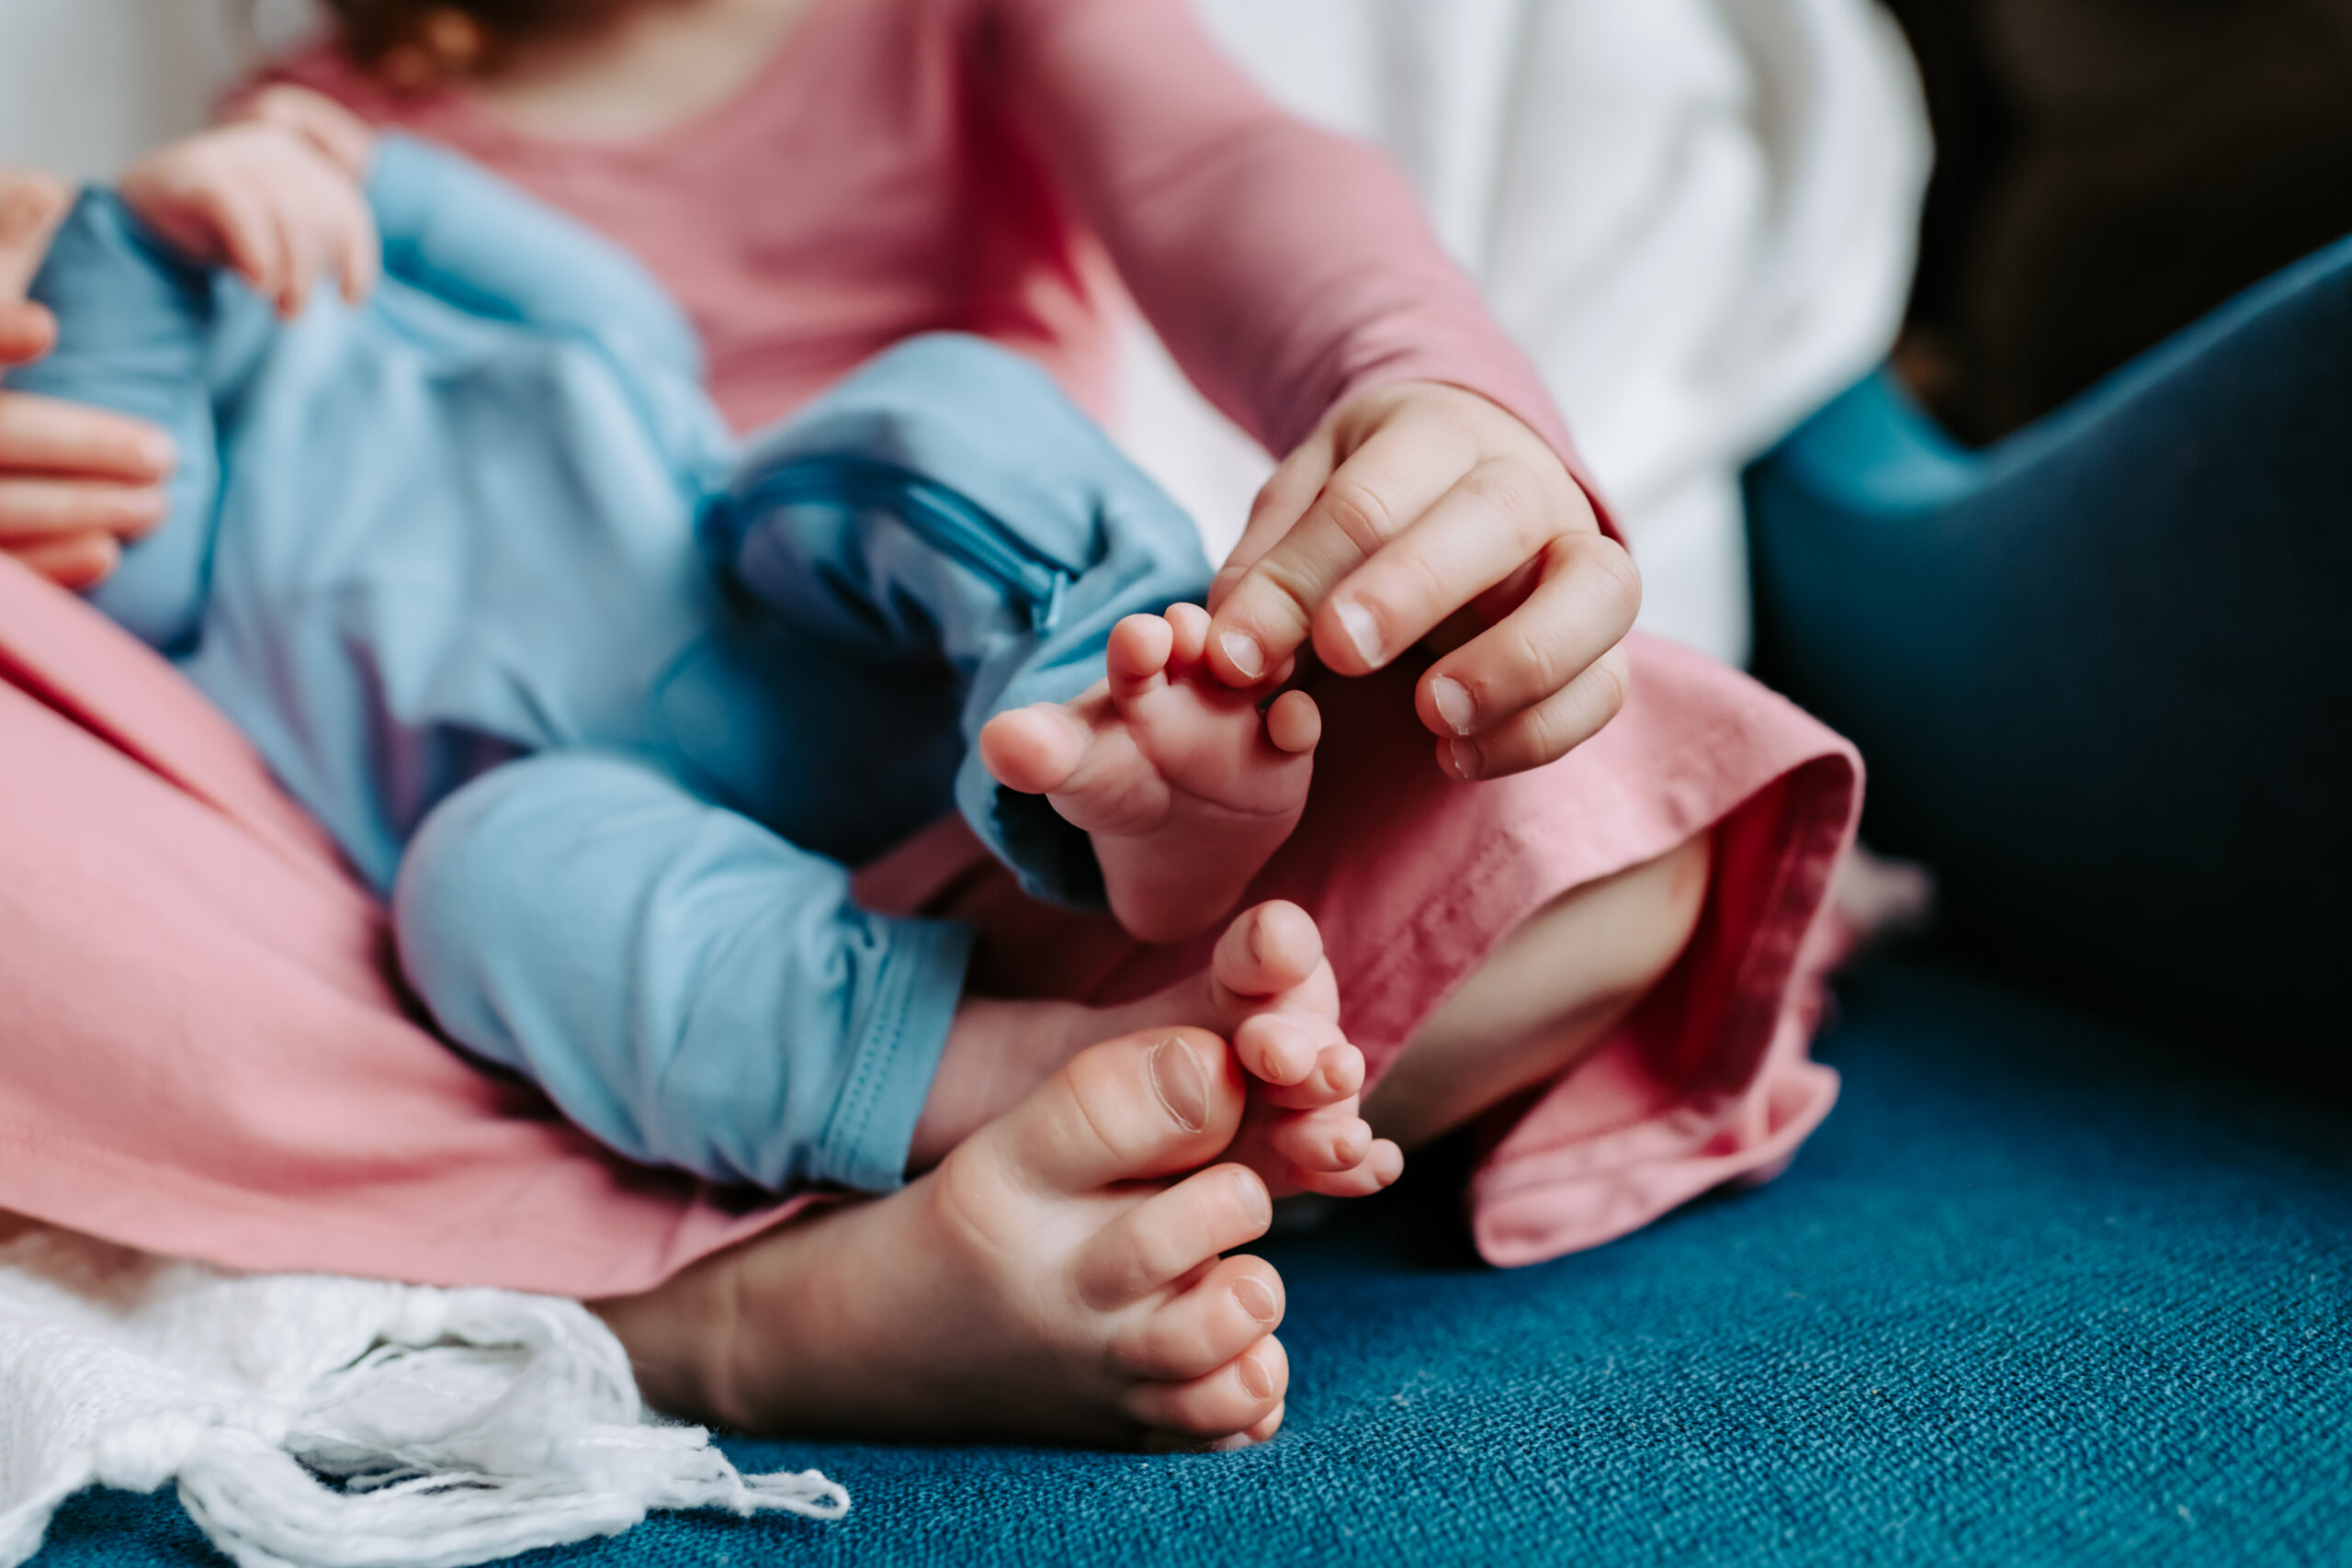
x,y
315,1422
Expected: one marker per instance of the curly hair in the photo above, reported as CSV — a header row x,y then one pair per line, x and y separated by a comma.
x,y
413,43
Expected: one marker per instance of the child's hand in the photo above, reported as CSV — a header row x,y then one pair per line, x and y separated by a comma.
x,y
339,135
1412,504
268,200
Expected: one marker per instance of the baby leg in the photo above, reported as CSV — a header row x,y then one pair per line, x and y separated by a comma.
x,y
686,985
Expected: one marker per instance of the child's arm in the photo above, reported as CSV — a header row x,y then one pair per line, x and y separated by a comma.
x,y
1294,279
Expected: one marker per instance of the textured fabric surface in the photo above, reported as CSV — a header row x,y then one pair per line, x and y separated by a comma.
x,y
2044,1291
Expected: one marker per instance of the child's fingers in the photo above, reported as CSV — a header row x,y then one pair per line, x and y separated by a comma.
x,y
337,133
355,251
247,232
1268,613
305,241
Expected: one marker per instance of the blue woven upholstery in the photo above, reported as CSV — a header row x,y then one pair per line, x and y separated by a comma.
x,y
2043,1291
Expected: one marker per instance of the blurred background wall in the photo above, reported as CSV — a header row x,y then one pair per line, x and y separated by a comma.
x,y
2107,172
84,84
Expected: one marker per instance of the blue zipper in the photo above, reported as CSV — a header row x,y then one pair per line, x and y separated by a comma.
x,y
945,519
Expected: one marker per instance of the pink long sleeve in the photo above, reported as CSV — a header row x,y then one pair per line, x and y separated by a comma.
x,y
907,165
1287,268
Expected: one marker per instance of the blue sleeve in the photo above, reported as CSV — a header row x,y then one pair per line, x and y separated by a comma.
x,y
136,326
458,232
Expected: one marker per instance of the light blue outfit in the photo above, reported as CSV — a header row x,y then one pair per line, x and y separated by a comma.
x,y
605,703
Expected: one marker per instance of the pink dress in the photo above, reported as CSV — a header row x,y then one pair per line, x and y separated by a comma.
x,y
205,1051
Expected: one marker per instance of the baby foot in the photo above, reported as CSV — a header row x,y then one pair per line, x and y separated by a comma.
x,y
1271,990
31,206
1267,987
1046,1282
1186,787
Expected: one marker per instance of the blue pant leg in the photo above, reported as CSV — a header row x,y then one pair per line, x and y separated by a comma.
x,y
135,335
686,985
947,512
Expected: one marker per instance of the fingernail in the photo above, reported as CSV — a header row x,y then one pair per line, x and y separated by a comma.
x,y
157,450
1454,704
1256,1300
1256,1382
1361,629
1243,650
1182,1085
1468,763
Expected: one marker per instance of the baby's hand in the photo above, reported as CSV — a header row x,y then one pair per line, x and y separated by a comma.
x,y
277,201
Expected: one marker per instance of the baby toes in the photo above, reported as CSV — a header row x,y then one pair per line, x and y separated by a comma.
x,y
1136,659
1272,952
1320,1143
1238,1302
1271,1048
1293,723
1379,1168
1033,749
1234,1400
1171,1234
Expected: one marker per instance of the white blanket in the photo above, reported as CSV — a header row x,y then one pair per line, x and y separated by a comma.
x,y
336,1423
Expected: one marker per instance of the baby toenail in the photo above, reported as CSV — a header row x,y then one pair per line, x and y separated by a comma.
x,y
1361,629
1243,650
1256,1300
1182,1085
1454,704
1255,1381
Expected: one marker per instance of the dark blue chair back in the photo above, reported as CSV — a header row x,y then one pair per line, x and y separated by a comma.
x,y
2101,672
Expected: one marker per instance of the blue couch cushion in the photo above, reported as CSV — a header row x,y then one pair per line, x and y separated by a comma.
x,y
2042,1290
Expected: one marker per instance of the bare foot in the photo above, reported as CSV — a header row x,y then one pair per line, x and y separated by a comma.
x,y
31,206
1268,989
1186,787
1046,1281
